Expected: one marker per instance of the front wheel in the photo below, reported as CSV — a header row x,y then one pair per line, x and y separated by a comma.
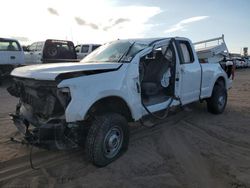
x,y
218,101
107,138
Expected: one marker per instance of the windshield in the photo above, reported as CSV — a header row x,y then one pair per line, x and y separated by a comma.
x,y
118,51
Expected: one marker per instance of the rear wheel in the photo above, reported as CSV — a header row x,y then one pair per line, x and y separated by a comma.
x,y
218,101
108,137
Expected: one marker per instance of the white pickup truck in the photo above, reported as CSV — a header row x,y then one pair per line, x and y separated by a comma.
x,y
82,50
11,56
120,82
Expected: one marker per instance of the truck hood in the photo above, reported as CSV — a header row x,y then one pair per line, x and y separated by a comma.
x,y
51,71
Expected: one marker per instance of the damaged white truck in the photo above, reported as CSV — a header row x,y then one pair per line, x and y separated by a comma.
x,y
65,104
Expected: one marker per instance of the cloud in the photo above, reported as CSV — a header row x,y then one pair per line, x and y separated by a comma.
x,y
181,26
53,11
93,26
82,22
121,20
116,22
106,28
79,23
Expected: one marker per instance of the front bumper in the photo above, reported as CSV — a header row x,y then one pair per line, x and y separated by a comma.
x,y
50,135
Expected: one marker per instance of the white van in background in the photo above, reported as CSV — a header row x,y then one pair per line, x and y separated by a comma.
x,y
83,50
11,56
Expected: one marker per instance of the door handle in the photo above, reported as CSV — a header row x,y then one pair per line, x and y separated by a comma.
x,y
12,57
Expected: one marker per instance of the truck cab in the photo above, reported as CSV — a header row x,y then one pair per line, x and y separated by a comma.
x,y
82,50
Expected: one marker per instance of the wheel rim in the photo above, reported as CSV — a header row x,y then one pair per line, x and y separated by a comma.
x,y
221,101
113,142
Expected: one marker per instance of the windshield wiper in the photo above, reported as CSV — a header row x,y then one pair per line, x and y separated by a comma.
x,y
126,53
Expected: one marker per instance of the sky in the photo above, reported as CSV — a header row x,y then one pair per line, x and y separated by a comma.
x,y
100,21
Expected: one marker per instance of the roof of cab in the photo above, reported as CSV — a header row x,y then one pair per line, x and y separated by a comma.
x,y
147,41
151,41
8,39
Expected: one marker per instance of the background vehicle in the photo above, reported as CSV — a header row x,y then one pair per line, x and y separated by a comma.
x,y
240,63
50,51
11,56
120,82
248,62
83,50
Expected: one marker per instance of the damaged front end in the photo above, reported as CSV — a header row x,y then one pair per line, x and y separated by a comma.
x,y
40,114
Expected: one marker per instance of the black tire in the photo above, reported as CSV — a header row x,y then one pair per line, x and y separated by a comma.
x,y
217,102
51,52
107,139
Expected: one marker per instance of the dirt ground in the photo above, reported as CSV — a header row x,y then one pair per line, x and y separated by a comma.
x,y
191,149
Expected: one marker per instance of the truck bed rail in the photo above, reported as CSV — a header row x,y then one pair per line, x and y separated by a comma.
x,y
212,50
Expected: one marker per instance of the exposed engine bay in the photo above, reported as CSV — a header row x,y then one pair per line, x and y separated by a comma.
x,y
40,114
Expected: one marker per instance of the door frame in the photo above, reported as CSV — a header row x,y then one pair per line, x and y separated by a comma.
x,y
180,70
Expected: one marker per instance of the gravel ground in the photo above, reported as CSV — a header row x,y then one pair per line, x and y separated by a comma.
x,y
191,149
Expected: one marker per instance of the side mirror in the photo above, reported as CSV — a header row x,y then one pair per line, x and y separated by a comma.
x,y
25,49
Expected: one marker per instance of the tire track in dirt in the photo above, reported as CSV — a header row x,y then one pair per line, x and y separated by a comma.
x,y
228,160
188,166
185,162
20,166
213,136
141,132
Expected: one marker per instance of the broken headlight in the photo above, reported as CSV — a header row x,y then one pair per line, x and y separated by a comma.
x,y
64,90
64,96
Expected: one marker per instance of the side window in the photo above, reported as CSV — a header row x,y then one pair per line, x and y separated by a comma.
x,y
32,47
39,46
77,48
168,53
95,47
9,46
3,45
13,46
186,52
85,48
65,47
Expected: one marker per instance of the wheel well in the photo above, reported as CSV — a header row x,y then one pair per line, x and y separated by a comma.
x,y
6,68
111,104
220,80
